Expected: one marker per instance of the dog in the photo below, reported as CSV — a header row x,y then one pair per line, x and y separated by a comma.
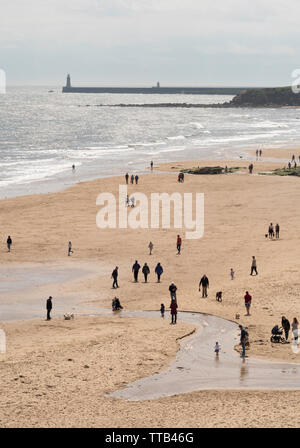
x,y
219,296
68,316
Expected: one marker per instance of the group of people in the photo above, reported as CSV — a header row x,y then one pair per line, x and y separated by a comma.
x,y
258,153
132,178
293,161
287,326
271,231
136,269
173,310
130,200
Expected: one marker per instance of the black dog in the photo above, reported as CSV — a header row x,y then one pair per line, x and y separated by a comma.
x,y
219,296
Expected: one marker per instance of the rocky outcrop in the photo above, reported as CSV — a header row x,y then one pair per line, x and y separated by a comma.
x,y
210,170
271,97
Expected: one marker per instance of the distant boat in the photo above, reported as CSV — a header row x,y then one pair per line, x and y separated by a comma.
x,y
50,91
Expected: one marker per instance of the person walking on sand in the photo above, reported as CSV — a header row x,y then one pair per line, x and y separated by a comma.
x,y
146,271
70,248
9,243
286,326
217,348
277,228
204,282
173,289
179,242
250,167
150,247
127,201
260,153
295,330
173,307
162,310
232,274
253,266
126,178
243,340
151,165
135,269
158,271
49,307
248,300
114,275
271,231
136,179
132,179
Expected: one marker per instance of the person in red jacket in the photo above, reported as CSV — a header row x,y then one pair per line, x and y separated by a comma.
x,y
178,244
248,299
173,307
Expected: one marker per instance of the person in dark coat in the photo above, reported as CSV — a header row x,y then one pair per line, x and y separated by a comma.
x,y
114,275
49,307
204,282
173,307
158,271
126,177
132,179
136,179
173,289
146,271
286,326
9,242
277,228
135,270
116,304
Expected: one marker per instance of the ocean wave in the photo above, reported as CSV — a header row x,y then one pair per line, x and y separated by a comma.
x,y
147,144
176,137
197,124
268,124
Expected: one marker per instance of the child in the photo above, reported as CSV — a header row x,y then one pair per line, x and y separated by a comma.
x,y
162,310
217,349
232,273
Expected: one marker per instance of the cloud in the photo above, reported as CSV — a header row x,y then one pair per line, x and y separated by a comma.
x,y
144,32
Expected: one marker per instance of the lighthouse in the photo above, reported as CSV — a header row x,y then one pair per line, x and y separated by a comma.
x,y
68,85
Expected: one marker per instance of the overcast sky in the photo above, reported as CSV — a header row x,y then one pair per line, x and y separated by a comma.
x,y
200,42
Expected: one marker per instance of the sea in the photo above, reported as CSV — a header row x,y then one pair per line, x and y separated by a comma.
x,y
44,132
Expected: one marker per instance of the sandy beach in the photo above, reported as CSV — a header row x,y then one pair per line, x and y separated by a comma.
x,y
58,373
